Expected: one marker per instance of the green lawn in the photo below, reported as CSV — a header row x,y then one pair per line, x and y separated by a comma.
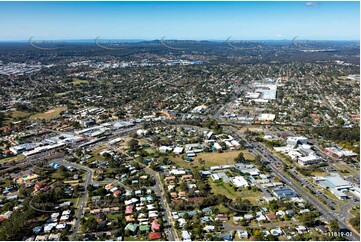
x,y
96,154
212,159
114,216
252,196
19,114
50,114
219,187
355,210
57,175
131,238
344,170
222,209
149,150
11,159
77,81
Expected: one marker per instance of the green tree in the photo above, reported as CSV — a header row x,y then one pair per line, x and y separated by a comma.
x,y
90,224
240,158
132,144
334,227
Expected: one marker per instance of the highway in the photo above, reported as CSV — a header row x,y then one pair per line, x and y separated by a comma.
x,y
265,154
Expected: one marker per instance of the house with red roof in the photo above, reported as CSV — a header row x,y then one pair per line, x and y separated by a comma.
x,y
39,185
117,193
271,216
155,235
315,115
3,218
222,217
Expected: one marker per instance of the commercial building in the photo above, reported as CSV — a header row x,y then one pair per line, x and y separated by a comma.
x,y
217,146
293,141
336,184
285,192
252,95
340,152
235,144
266,117
309,160
18,149
239,181
178,150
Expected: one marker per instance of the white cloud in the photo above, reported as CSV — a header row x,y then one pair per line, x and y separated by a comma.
x,y
311,4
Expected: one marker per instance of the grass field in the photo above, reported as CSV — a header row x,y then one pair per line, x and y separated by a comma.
x,y
130,238
252,196
72,182
96,153
355,210
19,114
114,216
60,94
342,79
252,128
213,159
50,114
344,170
77,81
317,173
11,159
222,188
149,150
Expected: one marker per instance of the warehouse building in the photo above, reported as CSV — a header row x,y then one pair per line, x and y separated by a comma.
x,y
336,184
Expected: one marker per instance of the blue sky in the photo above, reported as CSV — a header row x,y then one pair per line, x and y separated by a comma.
x,y
180,20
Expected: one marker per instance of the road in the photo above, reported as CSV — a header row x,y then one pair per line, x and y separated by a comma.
x,y
88,179
158,189
287,180
344,214
330,107
170,231
264,153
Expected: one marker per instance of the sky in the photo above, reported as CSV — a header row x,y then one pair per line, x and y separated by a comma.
x,y
180,20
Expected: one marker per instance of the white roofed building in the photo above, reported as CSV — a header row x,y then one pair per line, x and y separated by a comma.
x,y
239,181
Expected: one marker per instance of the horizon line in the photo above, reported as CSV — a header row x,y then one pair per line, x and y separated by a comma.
x,y
174,39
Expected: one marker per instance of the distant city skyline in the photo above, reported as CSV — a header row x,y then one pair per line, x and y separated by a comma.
x,y
180,20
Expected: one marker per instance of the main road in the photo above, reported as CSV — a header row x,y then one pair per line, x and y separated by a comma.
x,y
287,180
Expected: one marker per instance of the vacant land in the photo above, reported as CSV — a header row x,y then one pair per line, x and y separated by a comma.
x,y
226,189
213,158
226,158
355,210
344,170
12,159
252,196
19,114
96,153
50,114
253,129
219,187
77,81
319,173
149,151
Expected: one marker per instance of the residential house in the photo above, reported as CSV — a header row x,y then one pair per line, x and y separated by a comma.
x,y
155,235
